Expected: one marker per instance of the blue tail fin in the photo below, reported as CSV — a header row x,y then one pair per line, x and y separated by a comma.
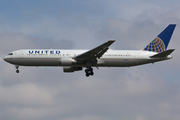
x,y
160,43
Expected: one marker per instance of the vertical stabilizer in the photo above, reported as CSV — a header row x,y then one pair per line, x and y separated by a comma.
x,y
160,43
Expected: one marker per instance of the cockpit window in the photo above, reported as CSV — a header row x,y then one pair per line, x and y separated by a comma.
x,y
10,54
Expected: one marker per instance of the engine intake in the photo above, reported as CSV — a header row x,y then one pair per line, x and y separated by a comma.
x,y
67,61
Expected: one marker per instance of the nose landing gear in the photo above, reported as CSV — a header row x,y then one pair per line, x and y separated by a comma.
x,y
16,66
89,71
17,71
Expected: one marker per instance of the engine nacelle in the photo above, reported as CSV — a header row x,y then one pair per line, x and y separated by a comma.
x,y
71,69
67,61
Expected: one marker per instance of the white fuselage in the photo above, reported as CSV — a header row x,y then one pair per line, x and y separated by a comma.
x,y
55,57
100,56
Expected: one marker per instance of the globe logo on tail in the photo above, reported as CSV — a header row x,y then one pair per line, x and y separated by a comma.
x,y
157,45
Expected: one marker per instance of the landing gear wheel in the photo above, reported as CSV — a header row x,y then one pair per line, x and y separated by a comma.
x,y
17,71
87,75
86,70
89,71
92,73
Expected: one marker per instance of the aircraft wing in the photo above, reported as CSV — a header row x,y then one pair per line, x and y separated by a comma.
x,y
94,53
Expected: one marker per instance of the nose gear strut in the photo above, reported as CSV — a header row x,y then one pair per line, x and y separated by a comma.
x,y
17,66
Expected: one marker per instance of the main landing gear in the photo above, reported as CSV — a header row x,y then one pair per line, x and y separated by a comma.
x,y
16,66
89,71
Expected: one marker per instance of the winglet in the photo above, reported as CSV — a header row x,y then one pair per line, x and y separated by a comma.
x,y
111,40
163,54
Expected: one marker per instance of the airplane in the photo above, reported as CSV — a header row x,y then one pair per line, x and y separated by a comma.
x,y
101,56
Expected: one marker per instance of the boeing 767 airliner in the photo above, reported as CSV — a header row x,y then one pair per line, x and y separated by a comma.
x,y
101,56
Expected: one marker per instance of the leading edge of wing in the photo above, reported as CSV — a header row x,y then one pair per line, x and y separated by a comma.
x,y
96,52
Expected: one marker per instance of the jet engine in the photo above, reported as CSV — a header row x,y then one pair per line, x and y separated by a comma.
x,y
67,61
71,69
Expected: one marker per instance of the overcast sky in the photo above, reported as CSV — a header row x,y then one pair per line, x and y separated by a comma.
x,y
147,92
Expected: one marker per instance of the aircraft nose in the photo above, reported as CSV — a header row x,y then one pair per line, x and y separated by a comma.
x,y
6,58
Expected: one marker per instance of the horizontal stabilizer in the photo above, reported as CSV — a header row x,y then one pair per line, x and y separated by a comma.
x,y
163,54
